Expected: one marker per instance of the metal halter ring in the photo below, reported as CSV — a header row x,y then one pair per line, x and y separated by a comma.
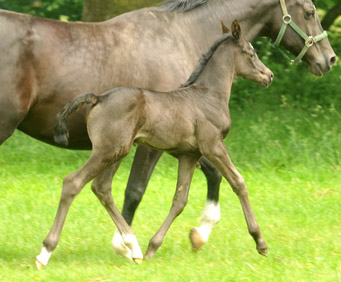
x,y
287,19
310,41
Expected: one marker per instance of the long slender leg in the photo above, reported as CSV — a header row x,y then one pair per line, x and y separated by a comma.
x,y
142,168
219,157
101,186
73,184
185,173
211,214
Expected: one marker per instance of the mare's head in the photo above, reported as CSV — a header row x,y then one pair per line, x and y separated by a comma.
x,y
302,34
247,63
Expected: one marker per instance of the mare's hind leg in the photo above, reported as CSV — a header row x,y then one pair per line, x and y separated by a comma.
x,y
101,186
185,173
218,155
144,162
211,214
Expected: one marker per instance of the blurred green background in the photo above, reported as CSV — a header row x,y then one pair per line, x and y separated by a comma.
x,y
285,140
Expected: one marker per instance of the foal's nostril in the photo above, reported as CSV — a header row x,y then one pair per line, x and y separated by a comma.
x,y
332,61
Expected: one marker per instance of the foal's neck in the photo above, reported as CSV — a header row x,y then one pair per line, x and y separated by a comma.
x,y
219,73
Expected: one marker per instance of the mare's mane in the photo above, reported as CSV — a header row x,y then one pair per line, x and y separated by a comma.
x,y
182,5
205,58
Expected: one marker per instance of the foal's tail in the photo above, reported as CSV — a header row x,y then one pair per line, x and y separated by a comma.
x,y
61,133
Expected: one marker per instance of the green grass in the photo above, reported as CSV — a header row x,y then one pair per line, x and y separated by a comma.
x,y
289,158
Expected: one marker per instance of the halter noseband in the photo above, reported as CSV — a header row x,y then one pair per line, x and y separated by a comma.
x,y
309,40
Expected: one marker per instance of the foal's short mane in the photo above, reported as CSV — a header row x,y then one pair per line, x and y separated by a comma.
x,y
205,59
182,5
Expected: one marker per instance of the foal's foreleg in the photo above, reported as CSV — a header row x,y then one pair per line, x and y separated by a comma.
x,y
220,158
185,173
211,214
101,186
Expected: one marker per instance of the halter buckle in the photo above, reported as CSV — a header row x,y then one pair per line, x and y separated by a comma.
x,y
286,19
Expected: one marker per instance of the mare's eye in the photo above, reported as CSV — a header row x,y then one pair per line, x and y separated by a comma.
x,y
309,14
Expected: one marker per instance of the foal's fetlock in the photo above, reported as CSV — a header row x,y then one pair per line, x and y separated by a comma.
x,y
131,242
119,246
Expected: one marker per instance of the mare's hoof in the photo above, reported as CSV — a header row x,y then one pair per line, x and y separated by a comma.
x,y
39,265
138,260
196,239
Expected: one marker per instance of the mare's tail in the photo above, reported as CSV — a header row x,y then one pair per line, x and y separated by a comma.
x,y
61,133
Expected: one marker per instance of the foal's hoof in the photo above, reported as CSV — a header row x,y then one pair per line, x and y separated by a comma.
x,y
39,265
196,240
263,252
138,260
262,248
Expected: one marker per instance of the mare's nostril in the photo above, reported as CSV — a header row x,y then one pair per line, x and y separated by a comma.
x,y
332,61
271,76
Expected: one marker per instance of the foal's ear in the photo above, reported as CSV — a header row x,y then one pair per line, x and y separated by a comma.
x,y
236,31
224,28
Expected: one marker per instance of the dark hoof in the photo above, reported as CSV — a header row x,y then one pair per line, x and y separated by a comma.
x,y
262,249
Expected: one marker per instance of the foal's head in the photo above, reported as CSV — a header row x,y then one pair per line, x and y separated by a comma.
x,y
247,63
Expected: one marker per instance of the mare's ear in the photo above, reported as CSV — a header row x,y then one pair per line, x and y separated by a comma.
x,y
236,31
224,28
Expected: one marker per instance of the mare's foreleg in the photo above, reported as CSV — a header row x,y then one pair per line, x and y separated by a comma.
x,y
12,112
101,186
185,173
211,214
218,155
143,165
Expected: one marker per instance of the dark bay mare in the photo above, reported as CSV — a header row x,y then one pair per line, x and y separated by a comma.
x,y
188,123
46,63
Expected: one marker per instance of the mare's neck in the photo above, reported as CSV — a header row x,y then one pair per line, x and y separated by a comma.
x,y
204,22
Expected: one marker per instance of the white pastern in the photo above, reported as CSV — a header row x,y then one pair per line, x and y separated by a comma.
x,y
119,246
43,258
131,241
209,219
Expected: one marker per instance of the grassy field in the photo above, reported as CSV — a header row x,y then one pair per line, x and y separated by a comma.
x,y
290,159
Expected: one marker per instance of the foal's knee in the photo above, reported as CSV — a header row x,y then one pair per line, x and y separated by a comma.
x,y
239,186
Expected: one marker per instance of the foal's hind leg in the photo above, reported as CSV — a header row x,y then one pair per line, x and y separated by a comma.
x,y
101,186
73,184
185,173
218,155
211,213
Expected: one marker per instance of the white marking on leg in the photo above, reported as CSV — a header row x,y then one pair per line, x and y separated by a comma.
x,y
209,219
119,246
131,241
43,258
